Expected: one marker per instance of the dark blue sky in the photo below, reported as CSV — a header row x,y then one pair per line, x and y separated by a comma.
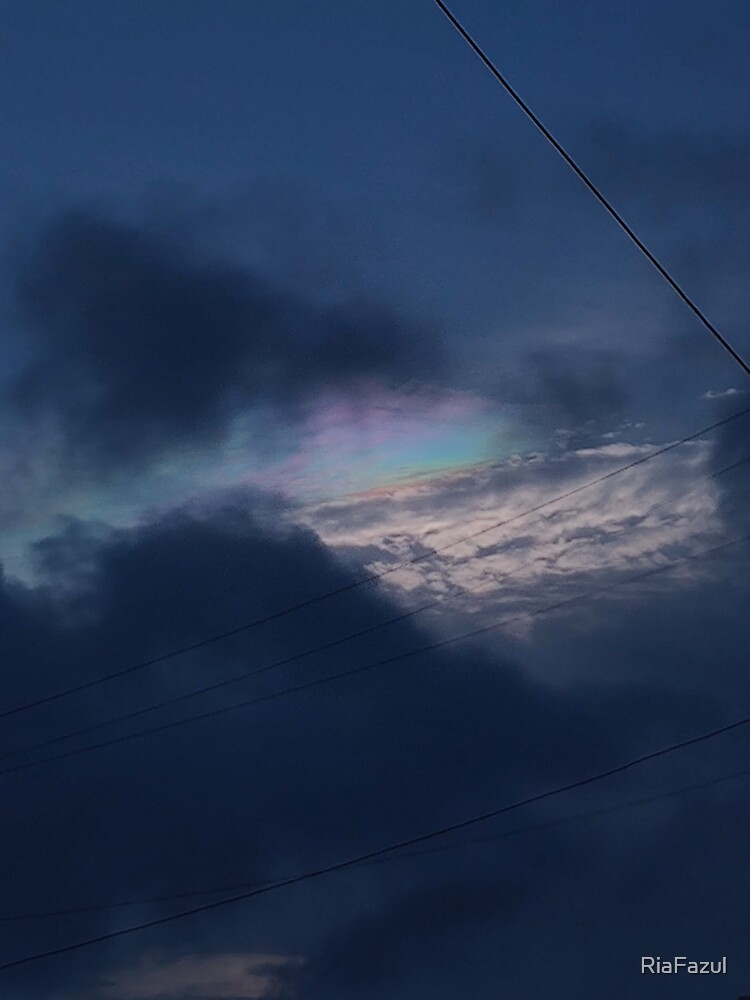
x,y
376,112
292,293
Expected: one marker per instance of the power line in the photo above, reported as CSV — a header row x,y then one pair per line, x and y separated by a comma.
x,y
286,661
246,675
438,849
592,187
355,671
382,851
354,585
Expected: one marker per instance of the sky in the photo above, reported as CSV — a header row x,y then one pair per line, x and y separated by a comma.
x,y
296,302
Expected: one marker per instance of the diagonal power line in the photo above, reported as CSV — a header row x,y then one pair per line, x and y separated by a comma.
x,y
578,171
356,584
381,852
616,807
387,661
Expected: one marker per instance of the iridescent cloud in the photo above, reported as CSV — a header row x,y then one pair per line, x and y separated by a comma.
x,y
346,444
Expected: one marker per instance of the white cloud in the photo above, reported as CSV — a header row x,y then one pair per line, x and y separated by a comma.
x,y
721,393
633,522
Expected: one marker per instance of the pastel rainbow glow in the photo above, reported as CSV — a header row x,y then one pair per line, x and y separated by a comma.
x,y
379,439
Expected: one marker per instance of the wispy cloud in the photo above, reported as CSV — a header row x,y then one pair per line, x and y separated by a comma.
x,y
721,393
634,522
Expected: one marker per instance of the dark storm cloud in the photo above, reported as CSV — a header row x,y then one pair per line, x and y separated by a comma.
x,y
135,343
295,782
410,941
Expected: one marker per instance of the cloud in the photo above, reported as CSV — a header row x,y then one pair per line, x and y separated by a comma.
x,y
136,344
142,350
218,977
404,942
330,772
632,523
579,386
721,393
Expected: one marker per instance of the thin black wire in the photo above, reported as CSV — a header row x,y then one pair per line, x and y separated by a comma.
x,y
426,852
354,671
382,851
226,682
354,585
248,674
592,187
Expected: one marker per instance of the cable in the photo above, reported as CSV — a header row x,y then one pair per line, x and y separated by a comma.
x,y
439,849
382,851
592,187
247,674
354,585
318,682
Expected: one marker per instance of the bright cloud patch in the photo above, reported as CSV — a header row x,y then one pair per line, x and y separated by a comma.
x,y
633,522
721,393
